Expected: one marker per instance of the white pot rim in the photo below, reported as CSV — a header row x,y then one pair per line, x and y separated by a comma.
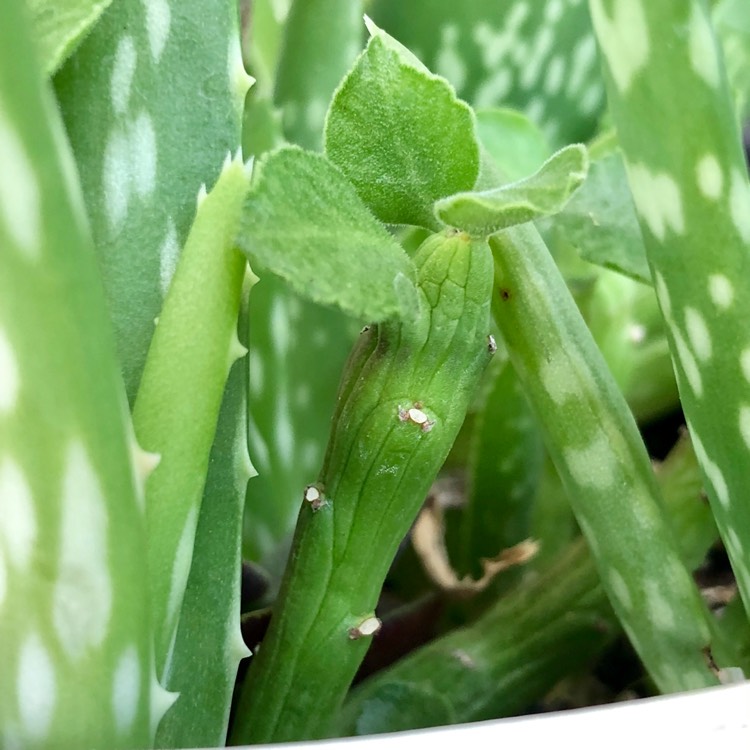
x,y
720,716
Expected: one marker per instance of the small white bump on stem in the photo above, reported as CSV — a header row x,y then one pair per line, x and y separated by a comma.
x,y
368,627
314,497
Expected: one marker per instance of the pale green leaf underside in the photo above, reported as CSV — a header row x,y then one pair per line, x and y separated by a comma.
x,y
59,25
544,193
304,222
400,134
600,220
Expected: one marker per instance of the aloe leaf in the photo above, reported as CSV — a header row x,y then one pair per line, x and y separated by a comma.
x,y
552,625
262,37
539,57
75,627
593,440
59,26
209,646
545,192
692,196
400,134
515,143
732,22
312,26
151,78
601,223
177,407
505,466
402,400
304,222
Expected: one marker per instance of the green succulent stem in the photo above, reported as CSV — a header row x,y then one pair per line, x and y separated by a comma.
x,y
402,400
550,626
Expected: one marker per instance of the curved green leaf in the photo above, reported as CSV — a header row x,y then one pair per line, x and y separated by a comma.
x,y
545,192
601,223
177,407
59,25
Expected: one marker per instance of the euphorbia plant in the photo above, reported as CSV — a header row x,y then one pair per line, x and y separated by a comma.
x,y
126,413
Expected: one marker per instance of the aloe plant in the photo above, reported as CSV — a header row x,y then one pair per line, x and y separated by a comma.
x,y
696,239
75,631
172,307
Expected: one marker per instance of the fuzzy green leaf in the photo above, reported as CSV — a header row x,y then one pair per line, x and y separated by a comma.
x,y
539,57
304,222
400,134
545,192
59,25
516,144
600,220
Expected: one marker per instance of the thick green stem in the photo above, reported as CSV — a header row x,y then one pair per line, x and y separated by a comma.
x,y
402,401
552,625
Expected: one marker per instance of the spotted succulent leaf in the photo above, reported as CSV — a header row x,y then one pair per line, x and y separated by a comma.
x,y
150,78
539,57
594,442
692,197
328,32
75,627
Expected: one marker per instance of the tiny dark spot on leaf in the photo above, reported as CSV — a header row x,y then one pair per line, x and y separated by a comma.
x,y
504,294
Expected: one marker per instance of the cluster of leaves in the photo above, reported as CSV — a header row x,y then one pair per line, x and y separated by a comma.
x,y
138,371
